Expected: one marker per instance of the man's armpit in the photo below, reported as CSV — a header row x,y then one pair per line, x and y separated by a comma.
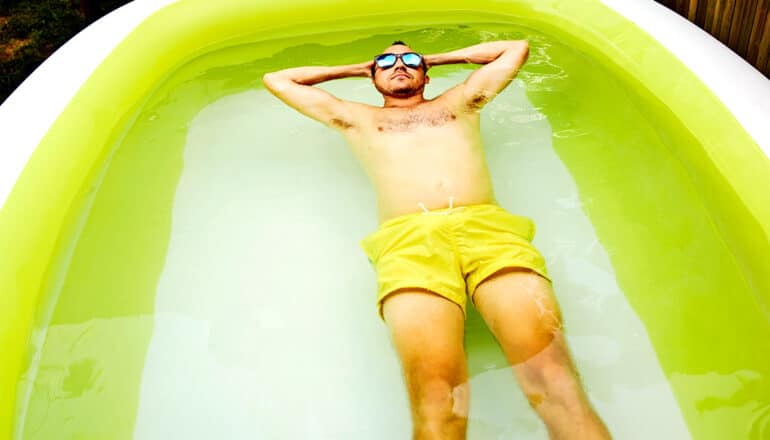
x,y
478,100
340,123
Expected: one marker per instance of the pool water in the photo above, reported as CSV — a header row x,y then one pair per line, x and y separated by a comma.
x,y
211,284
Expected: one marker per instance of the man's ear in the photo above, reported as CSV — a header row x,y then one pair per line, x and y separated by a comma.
x,y
427,79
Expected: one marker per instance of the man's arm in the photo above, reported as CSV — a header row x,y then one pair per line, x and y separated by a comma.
x,y
502,61
295,87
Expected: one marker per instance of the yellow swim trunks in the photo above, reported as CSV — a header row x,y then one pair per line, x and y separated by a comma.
x,y
450,251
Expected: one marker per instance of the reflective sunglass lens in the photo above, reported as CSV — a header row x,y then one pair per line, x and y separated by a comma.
x,y
385,61
411,59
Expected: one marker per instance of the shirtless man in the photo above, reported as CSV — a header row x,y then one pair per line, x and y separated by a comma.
x,y
443,236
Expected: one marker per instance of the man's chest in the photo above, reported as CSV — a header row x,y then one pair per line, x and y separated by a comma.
x,y
412,121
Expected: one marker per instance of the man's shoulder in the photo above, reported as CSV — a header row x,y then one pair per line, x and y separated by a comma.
x,y
359,108
453,98
354,115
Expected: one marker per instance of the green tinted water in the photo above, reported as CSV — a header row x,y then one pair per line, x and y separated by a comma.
x,y
213,285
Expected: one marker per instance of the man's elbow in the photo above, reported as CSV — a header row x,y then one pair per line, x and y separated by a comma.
x,y
274,82
524,50
521,46
520,51
269,80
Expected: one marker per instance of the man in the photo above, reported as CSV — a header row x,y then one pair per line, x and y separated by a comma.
x,y
442,235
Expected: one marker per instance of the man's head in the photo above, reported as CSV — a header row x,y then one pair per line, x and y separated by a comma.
x,y
399,75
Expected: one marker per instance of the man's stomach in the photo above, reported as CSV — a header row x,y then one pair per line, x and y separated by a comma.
x,y
401,195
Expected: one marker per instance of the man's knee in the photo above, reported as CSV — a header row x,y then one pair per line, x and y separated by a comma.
x,y
546,377
539,378
440,409
440,397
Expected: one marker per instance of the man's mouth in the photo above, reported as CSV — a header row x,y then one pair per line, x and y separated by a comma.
x,y
400,74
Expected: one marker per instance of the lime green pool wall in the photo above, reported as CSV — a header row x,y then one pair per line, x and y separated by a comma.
x,y
723,162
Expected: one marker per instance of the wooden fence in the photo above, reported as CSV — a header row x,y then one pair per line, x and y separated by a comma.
x,y
742,25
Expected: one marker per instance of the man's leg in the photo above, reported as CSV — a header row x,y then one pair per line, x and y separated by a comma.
x,y
427,331
521,311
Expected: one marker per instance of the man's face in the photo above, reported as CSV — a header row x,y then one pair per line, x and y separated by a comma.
x,y
400,80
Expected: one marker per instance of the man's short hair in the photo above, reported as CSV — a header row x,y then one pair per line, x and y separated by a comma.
x,y
399,43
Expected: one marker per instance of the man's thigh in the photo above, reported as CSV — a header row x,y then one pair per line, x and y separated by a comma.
x,y
427,332
520,309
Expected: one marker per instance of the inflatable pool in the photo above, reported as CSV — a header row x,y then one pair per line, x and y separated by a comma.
x,y
180,251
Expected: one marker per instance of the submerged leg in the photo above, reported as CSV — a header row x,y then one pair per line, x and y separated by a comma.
x,y
521,311
427,331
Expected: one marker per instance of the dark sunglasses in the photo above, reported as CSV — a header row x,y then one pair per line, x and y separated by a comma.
x,y
388,60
